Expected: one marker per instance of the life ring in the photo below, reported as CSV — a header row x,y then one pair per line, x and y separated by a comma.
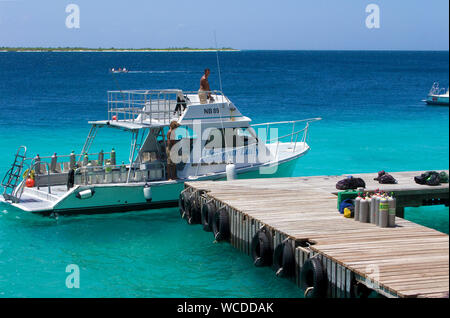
x,y
261,248
284,260
207,213
193,212
183,204
221,225
32,174
314,278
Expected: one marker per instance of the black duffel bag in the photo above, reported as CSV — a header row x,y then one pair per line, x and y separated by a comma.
x,y
429,178
350,183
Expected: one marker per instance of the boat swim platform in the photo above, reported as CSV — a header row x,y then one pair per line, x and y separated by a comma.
x,y
407,261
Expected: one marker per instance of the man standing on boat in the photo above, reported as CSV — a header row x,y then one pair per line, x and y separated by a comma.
x,y
204,93
171,167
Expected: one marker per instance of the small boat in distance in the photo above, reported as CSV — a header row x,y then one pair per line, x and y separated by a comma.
x,y
214,141
437,95
119,70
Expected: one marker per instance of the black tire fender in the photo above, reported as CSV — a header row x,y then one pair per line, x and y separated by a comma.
x,y
261,248
183,204
284,260
193,214
207,216
221,225
314,278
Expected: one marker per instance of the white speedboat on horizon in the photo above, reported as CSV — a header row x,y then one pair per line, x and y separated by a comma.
x,y
119,70
88,183
438,96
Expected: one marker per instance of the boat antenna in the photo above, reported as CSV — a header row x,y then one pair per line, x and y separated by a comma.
x,y
220,85
118,87
218,63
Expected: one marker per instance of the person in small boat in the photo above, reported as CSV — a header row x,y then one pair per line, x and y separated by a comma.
x,y
171,167
204,93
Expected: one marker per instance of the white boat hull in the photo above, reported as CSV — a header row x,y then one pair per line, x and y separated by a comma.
x,y
111,198
438,100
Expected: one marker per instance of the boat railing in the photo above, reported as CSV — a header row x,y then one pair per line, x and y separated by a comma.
x,y
32,166
140,106
151,171
437,90
93,174
226,155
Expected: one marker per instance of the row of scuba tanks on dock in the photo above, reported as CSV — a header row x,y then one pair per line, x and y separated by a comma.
x,y
378,208
196,208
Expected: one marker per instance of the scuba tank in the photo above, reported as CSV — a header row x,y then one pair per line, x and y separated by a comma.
x,y
369,206
384,212
392,207
85,159
101,157
53,163
364,211
37,161
123,172
377,209
357,205
90,175
72,160
373,208
108,173
113,157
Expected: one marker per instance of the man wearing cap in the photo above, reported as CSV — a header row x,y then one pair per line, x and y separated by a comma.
x,y
171,167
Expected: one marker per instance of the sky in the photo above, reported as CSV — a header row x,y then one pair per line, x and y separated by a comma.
x,y
240,24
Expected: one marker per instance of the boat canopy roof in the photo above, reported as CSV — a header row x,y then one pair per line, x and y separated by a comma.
x,y
140,109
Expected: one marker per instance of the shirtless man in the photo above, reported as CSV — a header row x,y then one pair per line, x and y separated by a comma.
x,y
204,93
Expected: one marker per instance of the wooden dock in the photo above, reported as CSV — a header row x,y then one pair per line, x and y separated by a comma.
x,y
408,260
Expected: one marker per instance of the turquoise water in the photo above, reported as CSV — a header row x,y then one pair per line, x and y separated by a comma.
x,y
373,119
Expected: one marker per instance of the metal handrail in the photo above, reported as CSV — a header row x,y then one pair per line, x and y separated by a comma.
x,y
67,156
296,133
133,103
32,166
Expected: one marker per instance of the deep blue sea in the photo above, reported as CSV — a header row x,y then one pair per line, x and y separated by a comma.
x,y
373,119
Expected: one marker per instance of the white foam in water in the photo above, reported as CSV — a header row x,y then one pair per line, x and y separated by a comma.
x,y
158,72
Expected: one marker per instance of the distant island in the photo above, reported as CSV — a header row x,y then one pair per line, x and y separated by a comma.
x,y
84,49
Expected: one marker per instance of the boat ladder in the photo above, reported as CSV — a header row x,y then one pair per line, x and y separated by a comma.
x,y
12,177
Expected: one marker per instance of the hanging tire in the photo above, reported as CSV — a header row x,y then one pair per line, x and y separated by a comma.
x,y
221,225
284,260
207,215
193,213
314,278
183,204
261,248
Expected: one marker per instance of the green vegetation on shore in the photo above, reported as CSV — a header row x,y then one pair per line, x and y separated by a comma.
x,y
83,49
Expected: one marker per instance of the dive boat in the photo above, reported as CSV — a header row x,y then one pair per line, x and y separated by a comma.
x,y
437,96
214,142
